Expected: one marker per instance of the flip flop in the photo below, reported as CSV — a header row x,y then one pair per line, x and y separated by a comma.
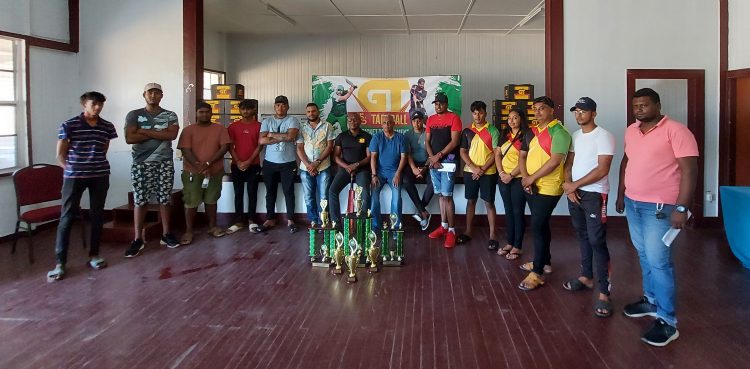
x,y
292,228
531,282
216,232
492,245
463,238
513,255
234,228
603,309
186,239
505,250
576,285
254,228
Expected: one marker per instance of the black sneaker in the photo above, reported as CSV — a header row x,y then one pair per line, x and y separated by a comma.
x,y
660,334
169,241
134,249
640,308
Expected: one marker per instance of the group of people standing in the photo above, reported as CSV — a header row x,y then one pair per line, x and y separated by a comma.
x,y
534,164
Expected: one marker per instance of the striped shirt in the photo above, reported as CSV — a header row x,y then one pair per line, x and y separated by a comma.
x,y
87,156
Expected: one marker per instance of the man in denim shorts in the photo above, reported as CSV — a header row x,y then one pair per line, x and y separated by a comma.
x,y
442,138
151,131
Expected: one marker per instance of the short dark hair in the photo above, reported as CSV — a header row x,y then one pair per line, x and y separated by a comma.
x,y
249,104
201,105
545,100
93,95
478,105
647,92
313,104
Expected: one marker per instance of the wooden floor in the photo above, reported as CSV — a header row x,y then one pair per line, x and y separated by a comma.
x,y
254,302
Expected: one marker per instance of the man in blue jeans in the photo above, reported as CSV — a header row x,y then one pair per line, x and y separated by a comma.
x,y
657,181
314,147
388,151
82,147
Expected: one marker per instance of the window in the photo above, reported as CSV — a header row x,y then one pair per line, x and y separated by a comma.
x,y
13,143
211,77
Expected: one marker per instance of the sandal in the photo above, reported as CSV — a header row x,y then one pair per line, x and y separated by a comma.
x,y
254,228
292,228
97,263
603,309
234,228
463,238
216,232
186,239
492,245
531,282
576,285
529,266
56,274
515,254
505,250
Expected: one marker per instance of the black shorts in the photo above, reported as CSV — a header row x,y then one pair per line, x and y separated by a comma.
x,y
485,185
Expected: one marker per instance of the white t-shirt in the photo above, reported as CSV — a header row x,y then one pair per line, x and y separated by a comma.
x,y
587,148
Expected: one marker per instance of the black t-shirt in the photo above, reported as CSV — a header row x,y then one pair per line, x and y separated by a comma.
x,y
353,148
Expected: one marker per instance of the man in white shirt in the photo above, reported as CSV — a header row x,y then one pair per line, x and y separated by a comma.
x,y
586,186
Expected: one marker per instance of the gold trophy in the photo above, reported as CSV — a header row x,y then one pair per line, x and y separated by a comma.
x,y
358,200
323,213
352,260
373,252
392,251
338,255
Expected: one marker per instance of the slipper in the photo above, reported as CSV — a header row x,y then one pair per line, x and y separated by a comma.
x,y
530,265
531,282
492,245
254,228
463,238
234,228
186,239
216,232
515,254
505,250
267,225
603,309
576,285
97,263
425,223
292,228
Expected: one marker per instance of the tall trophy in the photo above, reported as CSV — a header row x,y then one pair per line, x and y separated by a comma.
x,y
358,200
320,255
338,255
393,243
352,260
373,253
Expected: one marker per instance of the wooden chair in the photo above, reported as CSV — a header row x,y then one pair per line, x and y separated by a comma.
x,y
34,185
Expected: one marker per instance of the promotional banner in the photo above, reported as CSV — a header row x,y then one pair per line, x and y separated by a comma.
x,y
376,98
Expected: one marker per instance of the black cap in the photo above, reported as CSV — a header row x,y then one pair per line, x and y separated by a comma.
x,y
584,103
417,114
281,99
441,97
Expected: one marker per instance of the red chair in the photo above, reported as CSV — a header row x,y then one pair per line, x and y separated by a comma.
x,y
37,184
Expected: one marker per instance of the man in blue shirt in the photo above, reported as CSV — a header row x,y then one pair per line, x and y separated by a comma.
x,y
82,147
388,151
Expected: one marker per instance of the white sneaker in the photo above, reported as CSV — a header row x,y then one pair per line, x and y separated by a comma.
x,y
417,218
425,223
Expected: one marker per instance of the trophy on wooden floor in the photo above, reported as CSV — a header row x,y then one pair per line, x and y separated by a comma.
x,y
352,260
338,255
394,243
320,256
373,253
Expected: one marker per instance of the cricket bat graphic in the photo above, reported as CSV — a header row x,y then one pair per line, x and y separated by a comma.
x,y
350,201
350,83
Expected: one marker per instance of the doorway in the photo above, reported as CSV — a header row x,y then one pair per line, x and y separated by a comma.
x,y
738,86
682,92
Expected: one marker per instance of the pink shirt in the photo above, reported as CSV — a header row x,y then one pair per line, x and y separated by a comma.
x,y
652,173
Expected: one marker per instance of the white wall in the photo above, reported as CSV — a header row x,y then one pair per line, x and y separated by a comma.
x,y
604,38
214,50
739,34
124,45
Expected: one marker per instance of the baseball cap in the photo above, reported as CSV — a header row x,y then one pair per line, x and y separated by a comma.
x,y
281,99
417,114
441,97
151,86
584,103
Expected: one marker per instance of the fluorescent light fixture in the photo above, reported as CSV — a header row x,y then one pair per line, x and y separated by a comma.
x,y
281,15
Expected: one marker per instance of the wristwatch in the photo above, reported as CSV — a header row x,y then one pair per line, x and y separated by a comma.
x,y
681,208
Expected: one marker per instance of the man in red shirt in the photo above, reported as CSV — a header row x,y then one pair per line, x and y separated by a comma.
x,y
245,166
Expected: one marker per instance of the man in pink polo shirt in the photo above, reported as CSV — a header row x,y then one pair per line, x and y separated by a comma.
x,y
657,181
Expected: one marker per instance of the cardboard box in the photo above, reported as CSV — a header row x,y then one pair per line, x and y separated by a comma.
x,y
231,106
216,106
502,107
227,92
519,92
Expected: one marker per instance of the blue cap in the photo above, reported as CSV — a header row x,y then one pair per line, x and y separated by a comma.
x,y
584,103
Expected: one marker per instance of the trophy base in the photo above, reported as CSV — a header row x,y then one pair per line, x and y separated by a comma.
x,y
373,269
337,271
351,279
321,264
393,263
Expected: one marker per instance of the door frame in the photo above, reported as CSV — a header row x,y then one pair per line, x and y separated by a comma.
x,y
728,130
696,116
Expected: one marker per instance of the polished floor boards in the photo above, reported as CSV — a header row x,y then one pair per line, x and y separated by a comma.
x,y
253,301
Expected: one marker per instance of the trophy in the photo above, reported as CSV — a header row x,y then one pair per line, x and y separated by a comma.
x,y
373,252
395,252
323,213
338,255
358,200
352,260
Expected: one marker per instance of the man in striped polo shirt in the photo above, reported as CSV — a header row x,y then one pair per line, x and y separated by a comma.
x,y
82,151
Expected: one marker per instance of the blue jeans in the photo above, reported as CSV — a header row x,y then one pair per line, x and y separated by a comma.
x,y
646,231
442,182
315,189
395,201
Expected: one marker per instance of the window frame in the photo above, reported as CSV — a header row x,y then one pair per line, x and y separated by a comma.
x,y
207,88
20,103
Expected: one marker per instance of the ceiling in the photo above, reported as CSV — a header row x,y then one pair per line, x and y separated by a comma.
x,y
330,17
